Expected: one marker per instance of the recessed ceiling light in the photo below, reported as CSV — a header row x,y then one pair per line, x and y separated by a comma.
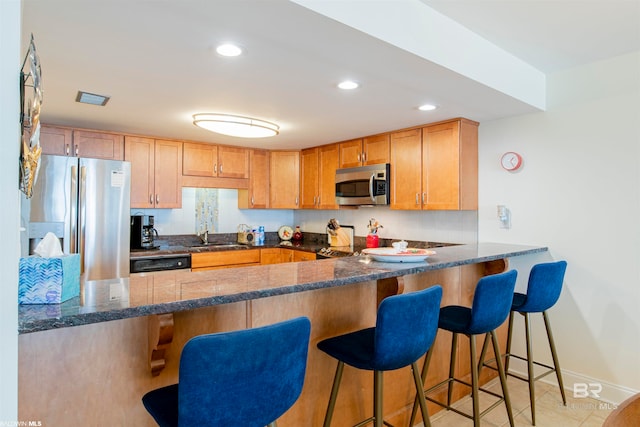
x,y
348,84
91,98
427,107
229,49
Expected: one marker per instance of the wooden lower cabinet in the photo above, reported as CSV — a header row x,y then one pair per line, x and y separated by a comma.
x,y
224,259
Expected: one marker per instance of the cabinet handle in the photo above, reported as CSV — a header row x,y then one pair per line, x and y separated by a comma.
x,y
77,151
220,168
317,201
417,198
215,168
364,157
252,202
68,150
157,199
151,199
359,157
296,200
424,198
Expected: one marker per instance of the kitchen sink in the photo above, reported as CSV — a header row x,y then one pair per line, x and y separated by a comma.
x,y
219,245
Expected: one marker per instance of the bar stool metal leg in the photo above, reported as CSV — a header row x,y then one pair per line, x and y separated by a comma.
x,y
474,382
531,378
334,394
452,366
554,355
503,378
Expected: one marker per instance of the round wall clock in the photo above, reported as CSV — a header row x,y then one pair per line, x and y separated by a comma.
x,y
511,161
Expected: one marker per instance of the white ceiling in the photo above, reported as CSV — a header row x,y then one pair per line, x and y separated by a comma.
x,y
156,61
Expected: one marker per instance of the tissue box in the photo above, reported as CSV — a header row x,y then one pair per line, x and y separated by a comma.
x,y
48,280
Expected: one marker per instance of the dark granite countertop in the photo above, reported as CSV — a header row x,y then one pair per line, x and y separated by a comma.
x,y
312,242
106,300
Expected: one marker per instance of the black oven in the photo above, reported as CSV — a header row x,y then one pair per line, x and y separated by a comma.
x,y
160,263
364,185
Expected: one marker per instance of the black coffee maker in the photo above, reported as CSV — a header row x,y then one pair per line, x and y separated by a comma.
x,y
142,232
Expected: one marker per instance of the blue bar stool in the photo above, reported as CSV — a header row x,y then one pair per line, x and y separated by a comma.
x,y
243,378
543,291
405,328
490,308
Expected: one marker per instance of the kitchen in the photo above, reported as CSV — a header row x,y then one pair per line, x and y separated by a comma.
x,y
552,204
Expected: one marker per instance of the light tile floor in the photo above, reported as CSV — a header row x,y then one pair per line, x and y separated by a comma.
x,y
550,412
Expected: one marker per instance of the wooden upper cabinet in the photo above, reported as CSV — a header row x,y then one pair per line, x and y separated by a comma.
x,y
257,195
168,174
376,149
450,166
317,177
309,178
328,161
351,153
56,141
371,150
284,181
215,161
141,153
61,141
98,145
156,171
233,162
436,167
406,169
199,159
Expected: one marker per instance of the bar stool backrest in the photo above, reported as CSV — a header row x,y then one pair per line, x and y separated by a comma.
x,y
406,326
544,287
243,378
492,302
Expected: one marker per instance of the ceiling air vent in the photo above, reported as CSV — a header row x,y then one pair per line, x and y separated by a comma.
x,y
92,98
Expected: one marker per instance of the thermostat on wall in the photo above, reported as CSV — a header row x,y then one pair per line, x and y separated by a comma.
x,y
511,161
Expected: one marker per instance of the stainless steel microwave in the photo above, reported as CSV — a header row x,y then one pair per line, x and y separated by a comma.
x,y
363,186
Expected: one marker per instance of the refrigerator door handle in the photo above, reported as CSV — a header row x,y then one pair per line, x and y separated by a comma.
x,y
82,212
73,209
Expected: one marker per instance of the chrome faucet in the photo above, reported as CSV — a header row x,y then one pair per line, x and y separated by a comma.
x,y
204,236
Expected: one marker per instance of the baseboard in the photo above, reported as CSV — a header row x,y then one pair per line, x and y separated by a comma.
x,y
578,385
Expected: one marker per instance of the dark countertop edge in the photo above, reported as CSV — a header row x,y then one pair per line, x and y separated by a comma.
x,y
395,270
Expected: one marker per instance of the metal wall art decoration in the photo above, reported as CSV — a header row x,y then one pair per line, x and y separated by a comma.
x,y
30,149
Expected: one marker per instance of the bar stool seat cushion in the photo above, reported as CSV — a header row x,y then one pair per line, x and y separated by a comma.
x,y
355,348
164,405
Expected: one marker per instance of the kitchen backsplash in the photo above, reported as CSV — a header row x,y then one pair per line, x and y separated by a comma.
x,y
435,226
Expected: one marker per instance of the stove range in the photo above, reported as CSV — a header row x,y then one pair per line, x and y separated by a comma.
x,y
335,253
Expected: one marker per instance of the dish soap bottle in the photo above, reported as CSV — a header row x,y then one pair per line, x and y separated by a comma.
x,y
297,234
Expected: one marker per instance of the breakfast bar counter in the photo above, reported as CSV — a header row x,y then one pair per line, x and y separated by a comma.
x,y
89,360
106,300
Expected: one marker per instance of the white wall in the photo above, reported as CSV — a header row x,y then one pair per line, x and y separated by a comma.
x,y
441,226
10,63
579,194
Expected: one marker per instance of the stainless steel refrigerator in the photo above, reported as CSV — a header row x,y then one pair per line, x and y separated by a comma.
x,y
85,203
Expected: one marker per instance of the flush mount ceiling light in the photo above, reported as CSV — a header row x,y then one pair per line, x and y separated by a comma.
x,y
243,127
348,85
229,49
427,107
91,98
